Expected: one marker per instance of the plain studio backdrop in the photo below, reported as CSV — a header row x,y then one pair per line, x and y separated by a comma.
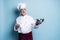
x,y
47,9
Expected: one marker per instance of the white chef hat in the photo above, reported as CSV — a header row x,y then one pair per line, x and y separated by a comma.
x,y
21,5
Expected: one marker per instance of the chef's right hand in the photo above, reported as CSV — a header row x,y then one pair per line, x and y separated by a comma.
x,y
17,26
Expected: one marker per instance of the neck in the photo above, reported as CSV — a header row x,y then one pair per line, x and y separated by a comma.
x,y
23,15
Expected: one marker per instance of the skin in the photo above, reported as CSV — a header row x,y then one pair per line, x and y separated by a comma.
x,y
17,26
23,11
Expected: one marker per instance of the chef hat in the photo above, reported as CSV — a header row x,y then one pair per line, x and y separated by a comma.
x,y
21,5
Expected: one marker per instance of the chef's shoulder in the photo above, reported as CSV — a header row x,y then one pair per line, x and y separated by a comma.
x,y
29,16
18,18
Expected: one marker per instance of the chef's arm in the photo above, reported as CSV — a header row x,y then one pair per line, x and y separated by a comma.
x,y
16,26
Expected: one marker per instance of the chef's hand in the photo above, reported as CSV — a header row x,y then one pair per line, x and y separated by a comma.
x,y
39,21
17,26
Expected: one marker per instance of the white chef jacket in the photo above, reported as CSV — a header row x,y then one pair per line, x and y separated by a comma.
x,y
26,24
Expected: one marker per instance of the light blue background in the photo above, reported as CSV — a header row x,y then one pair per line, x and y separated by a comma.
x,y
47,9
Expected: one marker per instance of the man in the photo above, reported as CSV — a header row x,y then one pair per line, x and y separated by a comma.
x,y
25,23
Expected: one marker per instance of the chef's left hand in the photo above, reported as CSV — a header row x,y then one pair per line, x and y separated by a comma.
x,y
39,21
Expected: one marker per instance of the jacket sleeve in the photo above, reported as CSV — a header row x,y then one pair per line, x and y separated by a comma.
x,y
14,25
15,29
33,22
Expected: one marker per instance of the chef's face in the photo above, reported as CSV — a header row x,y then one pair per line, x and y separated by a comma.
x,y
23,11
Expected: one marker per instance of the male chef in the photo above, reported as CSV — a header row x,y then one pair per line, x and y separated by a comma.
x,y
25,23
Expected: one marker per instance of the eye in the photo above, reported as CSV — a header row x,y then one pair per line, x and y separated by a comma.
x,y
21,9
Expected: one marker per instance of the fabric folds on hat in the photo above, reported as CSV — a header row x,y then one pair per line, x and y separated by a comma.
x,y
21,6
